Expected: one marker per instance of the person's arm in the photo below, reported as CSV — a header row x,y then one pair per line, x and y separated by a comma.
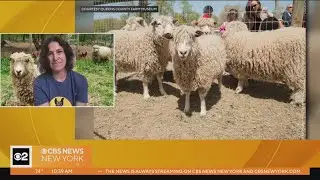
x,y
82,96
40,97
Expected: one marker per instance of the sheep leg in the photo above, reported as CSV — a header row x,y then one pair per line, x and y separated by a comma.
x,y
220,80
242,82
161,89
202,95
298,97
187,101
145,84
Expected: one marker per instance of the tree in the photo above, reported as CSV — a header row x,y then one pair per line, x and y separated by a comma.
x,y
277,4
145,15
165,7
297,13
186,9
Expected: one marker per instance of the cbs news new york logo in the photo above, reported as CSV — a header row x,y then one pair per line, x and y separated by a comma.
x,y
21,156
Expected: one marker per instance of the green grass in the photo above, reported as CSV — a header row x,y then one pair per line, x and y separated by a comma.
x,y
100,81
6,92
99,76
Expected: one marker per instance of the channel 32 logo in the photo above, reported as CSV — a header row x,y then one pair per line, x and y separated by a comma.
x,y
20,156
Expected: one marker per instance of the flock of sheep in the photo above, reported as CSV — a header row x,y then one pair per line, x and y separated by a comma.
x,y
199,55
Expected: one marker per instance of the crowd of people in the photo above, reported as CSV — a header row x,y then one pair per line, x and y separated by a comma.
x,y
257,17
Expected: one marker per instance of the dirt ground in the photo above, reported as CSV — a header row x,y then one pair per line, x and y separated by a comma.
x,y
260,112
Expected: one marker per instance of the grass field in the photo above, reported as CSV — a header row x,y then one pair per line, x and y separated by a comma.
x,y
99,76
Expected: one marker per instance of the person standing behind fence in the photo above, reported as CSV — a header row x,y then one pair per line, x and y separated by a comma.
x,y
232,16
287,16
59,85
255,14
207,11
270,23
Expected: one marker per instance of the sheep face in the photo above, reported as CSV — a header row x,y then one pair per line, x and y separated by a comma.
x,y
162,25
182,40
95,49
21,63
134,24
206,25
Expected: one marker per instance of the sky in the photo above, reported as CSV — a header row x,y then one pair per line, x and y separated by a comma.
x,y
198,6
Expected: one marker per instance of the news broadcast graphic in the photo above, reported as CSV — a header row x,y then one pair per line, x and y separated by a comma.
x,y
262,112
25,74
77,160
21,156
62,157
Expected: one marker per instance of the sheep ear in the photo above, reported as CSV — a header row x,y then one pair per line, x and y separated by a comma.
x,y
141,21
168,36
175,21
153,23
198,33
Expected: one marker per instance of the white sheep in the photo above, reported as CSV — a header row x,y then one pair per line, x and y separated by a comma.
x,y
23,72
197,60
101,53
145,51
274,56
134,23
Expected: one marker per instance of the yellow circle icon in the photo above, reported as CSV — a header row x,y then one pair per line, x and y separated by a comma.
x,y
60,101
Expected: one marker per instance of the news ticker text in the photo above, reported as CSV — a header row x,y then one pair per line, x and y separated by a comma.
x,y
150,171
119,9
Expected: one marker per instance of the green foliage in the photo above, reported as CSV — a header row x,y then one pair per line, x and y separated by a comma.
x,y
5,89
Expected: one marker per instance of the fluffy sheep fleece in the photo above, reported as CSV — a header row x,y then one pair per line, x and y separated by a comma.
x,y
145,51
198,59
134,23
101,53
273,56
23,72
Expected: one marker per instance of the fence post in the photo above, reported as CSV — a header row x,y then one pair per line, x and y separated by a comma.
x,y
298,12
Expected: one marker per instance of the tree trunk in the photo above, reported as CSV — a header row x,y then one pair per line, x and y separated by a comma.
x,y
144,15
277,4
298,12
36,43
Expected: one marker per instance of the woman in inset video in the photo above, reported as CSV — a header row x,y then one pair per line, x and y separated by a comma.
x,y
59,85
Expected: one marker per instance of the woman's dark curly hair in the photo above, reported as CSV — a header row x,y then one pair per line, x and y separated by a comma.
x,y
43,57
250,12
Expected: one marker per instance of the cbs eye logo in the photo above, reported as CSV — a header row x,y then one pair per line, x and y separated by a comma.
x,y
20,156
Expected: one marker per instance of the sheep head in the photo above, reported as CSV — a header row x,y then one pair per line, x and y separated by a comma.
x,y
182,40
162,25
234,27
134,23
206,25
21,64
95,48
